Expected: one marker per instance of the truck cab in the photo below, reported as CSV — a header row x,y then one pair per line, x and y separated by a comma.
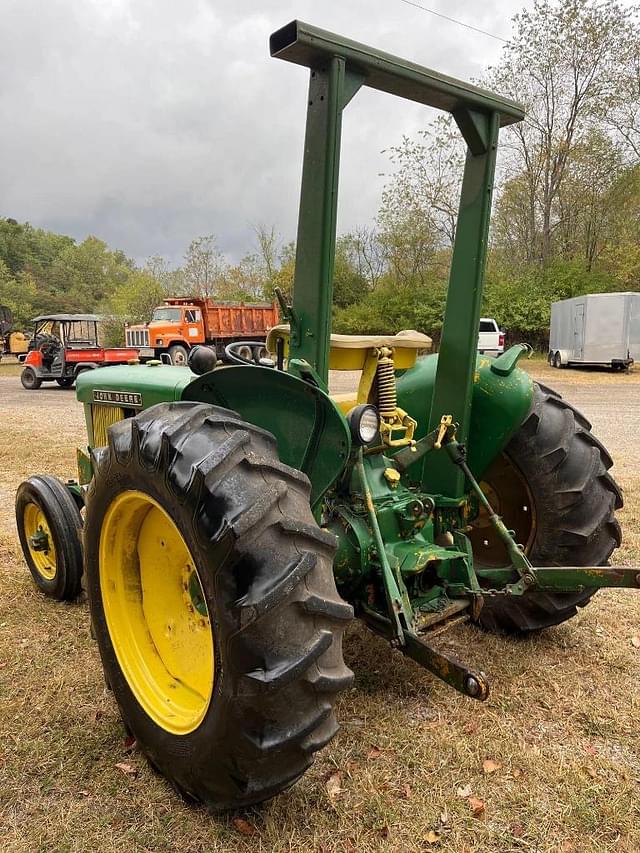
x,y
490,337
173,329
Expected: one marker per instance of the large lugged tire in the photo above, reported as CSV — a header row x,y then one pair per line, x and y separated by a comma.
x,y
205,565
49,526
561,467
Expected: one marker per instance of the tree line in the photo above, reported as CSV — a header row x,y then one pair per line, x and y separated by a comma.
x,y
566,206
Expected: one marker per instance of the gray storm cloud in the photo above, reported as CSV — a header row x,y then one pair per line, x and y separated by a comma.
x,y
148,123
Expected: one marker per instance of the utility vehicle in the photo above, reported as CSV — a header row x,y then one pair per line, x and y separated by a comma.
x,y
65,345
236,518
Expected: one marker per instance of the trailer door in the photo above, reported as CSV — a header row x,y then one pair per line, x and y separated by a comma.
x,y
578,331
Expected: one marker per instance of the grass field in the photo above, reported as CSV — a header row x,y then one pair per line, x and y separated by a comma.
x,y
550,763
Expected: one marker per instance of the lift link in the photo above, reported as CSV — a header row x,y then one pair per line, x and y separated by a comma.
x,y
471,683
519,561
398,602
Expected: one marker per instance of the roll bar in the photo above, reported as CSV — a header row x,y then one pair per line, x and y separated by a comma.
x,y
310,46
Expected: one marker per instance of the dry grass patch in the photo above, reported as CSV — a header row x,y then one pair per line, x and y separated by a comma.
x,y
550,763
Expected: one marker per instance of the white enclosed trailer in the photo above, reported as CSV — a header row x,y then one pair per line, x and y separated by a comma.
x,y
599,328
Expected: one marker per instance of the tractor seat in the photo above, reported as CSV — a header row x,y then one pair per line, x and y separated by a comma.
x,y
348,352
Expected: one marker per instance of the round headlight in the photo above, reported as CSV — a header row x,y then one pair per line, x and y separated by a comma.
x,y
364,423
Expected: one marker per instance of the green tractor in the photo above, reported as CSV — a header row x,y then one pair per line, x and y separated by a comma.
x,y
236,518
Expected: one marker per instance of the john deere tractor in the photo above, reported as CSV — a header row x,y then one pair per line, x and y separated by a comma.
x,y
236,518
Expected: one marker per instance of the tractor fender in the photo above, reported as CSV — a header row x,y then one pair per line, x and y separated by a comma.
x,y
502,398
312,433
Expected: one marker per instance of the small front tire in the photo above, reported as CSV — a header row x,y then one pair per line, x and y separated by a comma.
x,y
50,527
30,379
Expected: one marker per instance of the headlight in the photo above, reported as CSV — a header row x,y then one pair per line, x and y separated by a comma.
x,y
364,423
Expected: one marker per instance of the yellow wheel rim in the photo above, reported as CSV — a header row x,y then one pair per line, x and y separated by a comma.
x,y
156,612
36,527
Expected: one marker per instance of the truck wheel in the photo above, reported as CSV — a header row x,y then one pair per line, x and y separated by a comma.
x,y
65,381
245,352
214,603
260,353
178,355
49,526
30,379
557,360
552,486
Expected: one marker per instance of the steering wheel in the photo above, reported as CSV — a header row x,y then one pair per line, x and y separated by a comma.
x,y
232,353
49,346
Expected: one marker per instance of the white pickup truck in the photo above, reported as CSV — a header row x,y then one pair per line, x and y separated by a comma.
x,y
490,337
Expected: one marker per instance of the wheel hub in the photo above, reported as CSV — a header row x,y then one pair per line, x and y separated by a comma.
x,y
156,612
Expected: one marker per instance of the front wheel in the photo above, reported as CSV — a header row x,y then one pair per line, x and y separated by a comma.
x,y
178,355
552,487
30,379
213,602
49,526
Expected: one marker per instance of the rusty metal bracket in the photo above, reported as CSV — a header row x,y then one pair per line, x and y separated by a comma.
x,y
471,683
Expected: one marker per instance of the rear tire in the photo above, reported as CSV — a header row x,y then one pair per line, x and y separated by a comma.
x,y
557,361
266,576
178,355
30,379
45,504
65,381
245,352
574,500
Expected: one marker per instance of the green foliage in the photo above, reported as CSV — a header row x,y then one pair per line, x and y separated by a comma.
x,y
389,309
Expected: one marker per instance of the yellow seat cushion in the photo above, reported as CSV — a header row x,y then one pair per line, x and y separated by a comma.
x,y
348,352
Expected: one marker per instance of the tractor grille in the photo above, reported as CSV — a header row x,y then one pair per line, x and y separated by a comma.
x,y
102,418
137,337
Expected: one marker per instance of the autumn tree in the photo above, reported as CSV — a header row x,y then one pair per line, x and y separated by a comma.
x,y
563,63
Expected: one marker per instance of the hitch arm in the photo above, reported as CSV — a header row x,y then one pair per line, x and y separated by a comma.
x,y
471,683
568,578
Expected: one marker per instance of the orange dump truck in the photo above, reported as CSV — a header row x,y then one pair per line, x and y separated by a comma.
x,y
182,322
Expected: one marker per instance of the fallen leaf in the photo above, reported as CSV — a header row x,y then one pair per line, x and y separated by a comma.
x,y
590,749
516,772
444,816
83,793
374,753
590,771
244,827
567,847
635,642
384,831
477,807
334,785
127,769
405,793
465,792
129,743
490,766
517,830
471,727
432,837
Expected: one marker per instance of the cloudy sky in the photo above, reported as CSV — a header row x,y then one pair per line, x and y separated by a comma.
x,y
150,122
